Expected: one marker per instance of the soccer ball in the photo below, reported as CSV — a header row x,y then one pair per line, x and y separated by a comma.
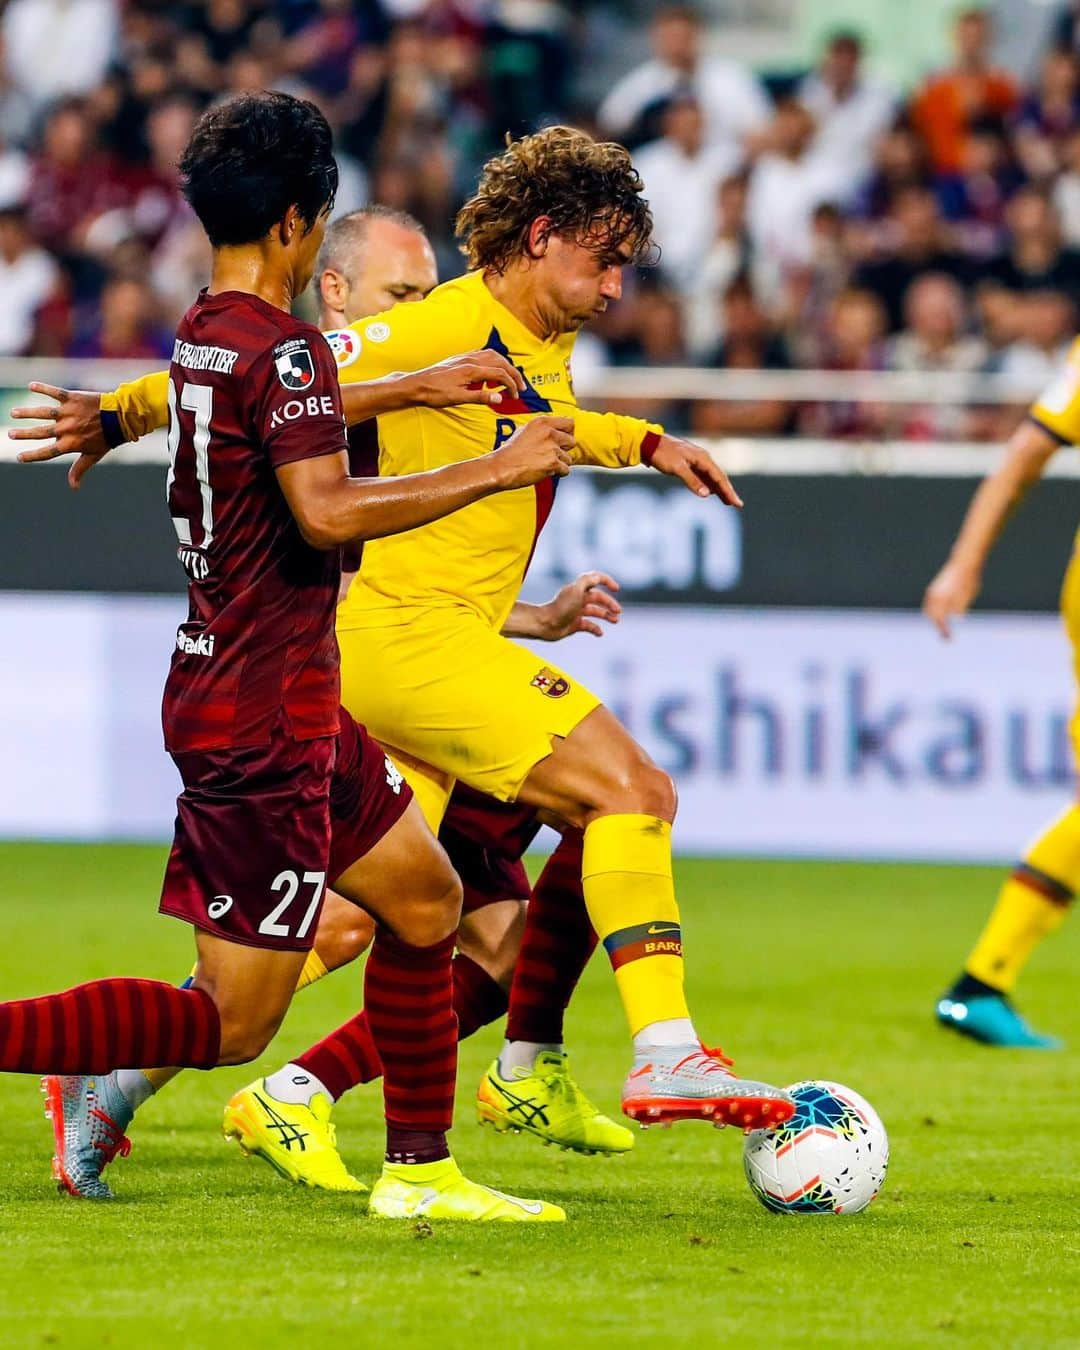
x,y
829,1158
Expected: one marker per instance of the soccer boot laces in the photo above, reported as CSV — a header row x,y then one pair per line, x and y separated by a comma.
x,y
439,1191
546,1102
299,1142
675,1083
89,1115
991,1019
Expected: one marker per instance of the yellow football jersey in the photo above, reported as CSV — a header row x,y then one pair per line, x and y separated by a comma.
x,y
1057,409
477,556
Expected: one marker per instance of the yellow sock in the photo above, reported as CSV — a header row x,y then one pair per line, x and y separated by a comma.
x,y
630,896
313,970
1031,905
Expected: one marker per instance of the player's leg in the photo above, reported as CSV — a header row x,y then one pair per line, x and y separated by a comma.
x,y
401,876
1032,903
528,1087
600,780
247,870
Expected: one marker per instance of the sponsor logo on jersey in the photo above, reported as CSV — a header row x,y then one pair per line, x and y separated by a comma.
x,y
219,906
344,344
377,332
315,405
550,682
203,645
294,364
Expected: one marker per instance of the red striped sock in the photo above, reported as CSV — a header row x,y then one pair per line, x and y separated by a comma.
x,y
110,1024
409,998
348,1056
555,948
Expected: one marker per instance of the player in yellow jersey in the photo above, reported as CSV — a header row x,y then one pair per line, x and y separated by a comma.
x,y
553,223
1038,894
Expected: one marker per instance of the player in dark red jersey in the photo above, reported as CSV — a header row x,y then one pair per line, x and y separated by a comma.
x,y
282,790
369,260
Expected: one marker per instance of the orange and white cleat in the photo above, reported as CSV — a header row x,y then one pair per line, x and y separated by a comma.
x,y
89,1115
692,1083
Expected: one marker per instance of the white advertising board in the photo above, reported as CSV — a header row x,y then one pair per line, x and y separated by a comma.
x,y
836,733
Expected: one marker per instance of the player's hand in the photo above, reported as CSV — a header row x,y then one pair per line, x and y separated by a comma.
x,y
539,449
696,467
475,377
579,605
951,593
71,426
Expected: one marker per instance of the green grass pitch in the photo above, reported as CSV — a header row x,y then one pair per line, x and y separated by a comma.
x,y
800,969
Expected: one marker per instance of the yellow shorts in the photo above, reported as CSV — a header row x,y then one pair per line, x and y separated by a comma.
x,y
1070,613
450,698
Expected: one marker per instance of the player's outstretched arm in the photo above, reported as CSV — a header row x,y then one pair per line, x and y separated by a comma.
x,y
952,592
70,426
474,377
575,609
695,467
333,509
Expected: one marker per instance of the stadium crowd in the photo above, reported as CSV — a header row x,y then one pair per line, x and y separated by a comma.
x,y
813,220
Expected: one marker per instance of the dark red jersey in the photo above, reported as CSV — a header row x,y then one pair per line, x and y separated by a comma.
x,y
250,389
363,440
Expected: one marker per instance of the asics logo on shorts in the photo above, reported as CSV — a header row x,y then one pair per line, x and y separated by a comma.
x,y
219,906
394,779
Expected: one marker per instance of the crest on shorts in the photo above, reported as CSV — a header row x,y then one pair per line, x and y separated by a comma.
x,y
345,345
295,364
550,682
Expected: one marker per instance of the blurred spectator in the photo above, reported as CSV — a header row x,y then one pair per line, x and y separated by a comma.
x,y
729,253
917,242
71,180
949,103
1048,116
1066,192
899,162
127,325
656,338
681,176
850,111
854,341
734,103
786,184
748,344
1047,325
804,305
1037,257
58,47
974,201
28,278
934,339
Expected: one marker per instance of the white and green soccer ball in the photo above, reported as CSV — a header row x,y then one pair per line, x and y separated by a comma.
x,y
829,1158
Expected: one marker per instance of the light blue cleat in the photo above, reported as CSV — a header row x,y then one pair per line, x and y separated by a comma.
x,y
89,1116
992,1020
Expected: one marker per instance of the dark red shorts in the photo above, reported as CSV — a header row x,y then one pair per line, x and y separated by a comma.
x,y
260,831
485,840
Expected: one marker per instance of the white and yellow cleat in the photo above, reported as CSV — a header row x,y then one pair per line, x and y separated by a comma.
x,y
299,1142
545,1101
439,1191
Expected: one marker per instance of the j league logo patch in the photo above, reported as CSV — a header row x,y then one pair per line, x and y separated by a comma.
x,y
294,364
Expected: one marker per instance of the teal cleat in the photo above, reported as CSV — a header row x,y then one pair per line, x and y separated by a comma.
x,y
89,1116
991,1019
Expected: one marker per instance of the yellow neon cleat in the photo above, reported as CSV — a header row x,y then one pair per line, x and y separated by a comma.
x,y
439,1191
548,1103
299,1142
